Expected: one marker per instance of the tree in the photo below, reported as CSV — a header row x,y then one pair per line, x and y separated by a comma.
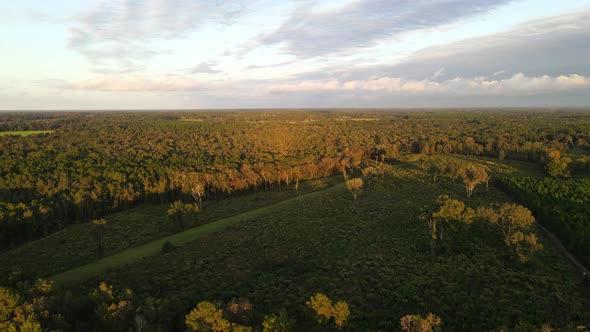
x,y
472,175
415,323
557,166
433,166
98,232
207,317
369,172
24,314
447,210
340,312
509,217
355,186
198,192
115,308
514,221
325,311
525,245
276,323
9,301
177,211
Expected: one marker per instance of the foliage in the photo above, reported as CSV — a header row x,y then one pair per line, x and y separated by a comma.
x,y
275,323
178,210
415,323
376,259
167,246
559,205
26,313
473,175
448,210
355,187
556,165
97,163
207,317
325,310
114,308
513,220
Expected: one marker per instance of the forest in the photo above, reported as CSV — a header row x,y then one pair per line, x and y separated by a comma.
x,y
328,220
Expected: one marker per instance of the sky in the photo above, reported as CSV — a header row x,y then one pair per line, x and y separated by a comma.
x,y
217,54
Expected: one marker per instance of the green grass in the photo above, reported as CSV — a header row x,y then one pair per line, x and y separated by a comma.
x,y
153,248
374,254
25,133
75,246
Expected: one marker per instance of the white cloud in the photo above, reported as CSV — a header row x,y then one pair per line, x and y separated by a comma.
x,y
518,84
119,33
142,84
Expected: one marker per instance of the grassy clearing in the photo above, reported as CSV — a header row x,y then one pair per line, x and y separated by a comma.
x,y
373,254
153,248
25,133
75,246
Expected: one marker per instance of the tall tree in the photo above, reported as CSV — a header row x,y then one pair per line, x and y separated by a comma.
x,y
446,211
355,187
98,232
514,221
473,175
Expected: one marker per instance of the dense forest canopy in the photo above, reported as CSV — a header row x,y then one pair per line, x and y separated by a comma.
x,y
95,163
312,220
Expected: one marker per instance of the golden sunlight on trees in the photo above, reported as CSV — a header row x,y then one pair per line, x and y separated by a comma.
x,y
415,323
18,314
369,172
207,317
473,175
198,192
274,323
514,221
557,166
325,310
447,210
355,187
115,308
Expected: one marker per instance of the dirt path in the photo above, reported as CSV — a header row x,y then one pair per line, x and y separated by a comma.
x,y
582,270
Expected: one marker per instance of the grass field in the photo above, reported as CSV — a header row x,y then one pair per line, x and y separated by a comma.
x,y
374,254
75,246
25,133
153,248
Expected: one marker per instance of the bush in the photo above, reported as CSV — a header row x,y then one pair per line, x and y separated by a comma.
x,y
167,246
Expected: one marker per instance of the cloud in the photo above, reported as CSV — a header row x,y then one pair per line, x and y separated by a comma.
x,y
5,16
206,68
537,48
123,84
119,32
439,73
280,64
361,23
517,85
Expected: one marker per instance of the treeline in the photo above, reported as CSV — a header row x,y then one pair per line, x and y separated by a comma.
x,y
563,206
96,163
37,307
